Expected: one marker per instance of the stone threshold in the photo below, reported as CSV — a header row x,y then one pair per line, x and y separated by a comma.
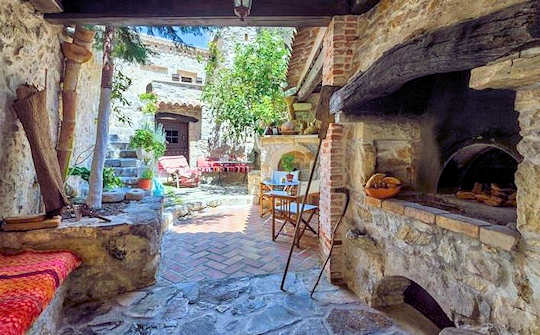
x,y
496,236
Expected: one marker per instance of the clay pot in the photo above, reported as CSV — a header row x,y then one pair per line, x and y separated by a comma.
x,y
288,128
383,193
145,184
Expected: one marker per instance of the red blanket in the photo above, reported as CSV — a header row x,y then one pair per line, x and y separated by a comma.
x,y
28,282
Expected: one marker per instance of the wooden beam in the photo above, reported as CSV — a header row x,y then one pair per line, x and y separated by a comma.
x,y
199,12
361,6
315,50
47,6
322,111
313,79
460,47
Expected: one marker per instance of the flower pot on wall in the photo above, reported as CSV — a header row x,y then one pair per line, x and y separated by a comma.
x,y
145,184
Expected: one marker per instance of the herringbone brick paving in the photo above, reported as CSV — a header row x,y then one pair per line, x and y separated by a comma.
x,y
226,242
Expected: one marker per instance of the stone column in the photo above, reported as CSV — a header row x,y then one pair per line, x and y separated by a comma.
x,y
331,200
521,72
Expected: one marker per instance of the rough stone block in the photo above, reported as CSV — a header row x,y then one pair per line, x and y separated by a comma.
x,y
135,194
461,224
374,202
394,206
117,256
422,213
499,237
113,196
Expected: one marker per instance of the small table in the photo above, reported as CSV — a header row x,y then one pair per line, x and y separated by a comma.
x,y
287,211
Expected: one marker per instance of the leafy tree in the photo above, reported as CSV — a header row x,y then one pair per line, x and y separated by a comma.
x,y
248,96
124,43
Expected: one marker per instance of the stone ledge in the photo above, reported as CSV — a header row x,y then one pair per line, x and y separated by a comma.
x,y
495,236
373,202
423,213
394,206
461,224
499,237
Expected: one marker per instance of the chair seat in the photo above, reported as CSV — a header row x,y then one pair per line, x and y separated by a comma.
x,y
293,208
278,193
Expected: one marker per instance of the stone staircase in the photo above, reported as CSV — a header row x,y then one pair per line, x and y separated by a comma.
x,y
123,160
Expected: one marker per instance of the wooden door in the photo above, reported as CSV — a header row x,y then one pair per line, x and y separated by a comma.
x,y
177,136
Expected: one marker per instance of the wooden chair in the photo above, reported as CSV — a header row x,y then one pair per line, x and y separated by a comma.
x,y
286,208
274,184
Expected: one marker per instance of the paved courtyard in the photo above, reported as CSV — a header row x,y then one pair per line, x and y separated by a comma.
x,y
249,305
227,242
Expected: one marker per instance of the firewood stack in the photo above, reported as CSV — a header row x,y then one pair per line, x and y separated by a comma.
x,y
490,194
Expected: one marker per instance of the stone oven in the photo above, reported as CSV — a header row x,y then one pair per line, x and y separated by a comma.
x,y
443,95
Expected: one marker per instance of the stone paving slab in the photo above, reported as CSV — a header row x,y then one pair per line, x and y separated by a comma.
x,y
228,242
248,305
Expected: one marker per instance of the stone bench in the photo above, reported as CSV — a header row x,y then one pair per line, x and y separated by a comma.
x,y
117,256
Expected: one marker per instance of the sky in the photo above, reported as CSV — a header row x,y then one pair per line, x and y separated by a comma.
x,y
198,41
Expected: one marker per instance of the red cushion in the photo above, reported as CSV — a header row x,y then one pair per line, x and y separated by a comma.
x,y
28,281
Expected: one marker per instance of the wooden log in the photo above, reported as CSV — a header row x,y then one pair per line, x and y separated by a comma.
x,y
76,53
47,6
459,47
322,112
196,12
30,108
359,7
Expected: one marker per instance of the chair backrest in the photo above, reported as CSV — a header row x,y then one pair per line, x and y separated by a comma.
x,y
277,176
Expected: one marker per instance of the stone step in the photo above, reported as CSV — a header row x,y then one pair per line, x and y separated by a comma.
x,y
119,146
122,162
121,154
129,181
126,171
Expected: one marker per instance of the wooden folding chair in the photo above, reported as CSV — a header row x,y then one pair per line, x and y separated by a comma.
x,y
286,208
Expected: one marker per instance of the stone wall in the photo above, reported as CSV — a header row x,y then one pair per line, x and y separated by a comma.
x,y
166,61
29,48
482,275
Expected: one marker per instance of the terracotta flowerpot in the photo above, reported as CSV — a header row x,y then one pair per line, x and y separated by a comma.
x,y
145,184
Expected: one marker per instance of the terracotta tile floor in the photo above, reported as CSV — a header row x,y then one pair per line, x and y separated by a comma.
x,y
227,242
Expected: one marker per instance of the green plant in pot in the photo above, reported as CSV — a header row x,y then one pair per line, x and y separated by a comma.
x,y
145,182
149,143
287,163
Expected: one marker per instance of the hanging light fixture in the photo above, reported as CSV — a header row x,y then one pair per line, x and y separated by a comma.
x,y
242,8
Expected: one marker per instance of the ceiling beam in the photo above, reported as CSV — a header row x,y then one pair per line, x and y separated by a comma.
x,y
47,6
459,47
199,12
313,79
315,50
361,6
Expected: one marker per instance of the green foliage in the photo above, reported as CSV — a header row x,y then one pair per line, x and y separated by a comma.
x,y
249,96
150,103
129,47
287,162
121,84
151,140
147,174
110,180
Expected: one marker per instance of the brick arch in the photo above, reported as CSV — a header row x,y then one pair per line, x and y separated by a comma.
x,y
395,290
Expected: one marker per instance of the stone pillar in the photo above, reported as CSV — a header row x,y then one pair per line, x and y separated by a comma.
x,y
331,200
338,46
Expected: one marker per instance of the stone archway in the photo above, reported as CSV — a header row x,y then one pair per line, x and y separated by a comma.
x,y
395,290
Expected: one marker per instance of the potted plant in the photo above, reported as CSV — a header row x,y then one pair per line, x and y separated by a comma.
x,y
287,163
149,143
145,182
